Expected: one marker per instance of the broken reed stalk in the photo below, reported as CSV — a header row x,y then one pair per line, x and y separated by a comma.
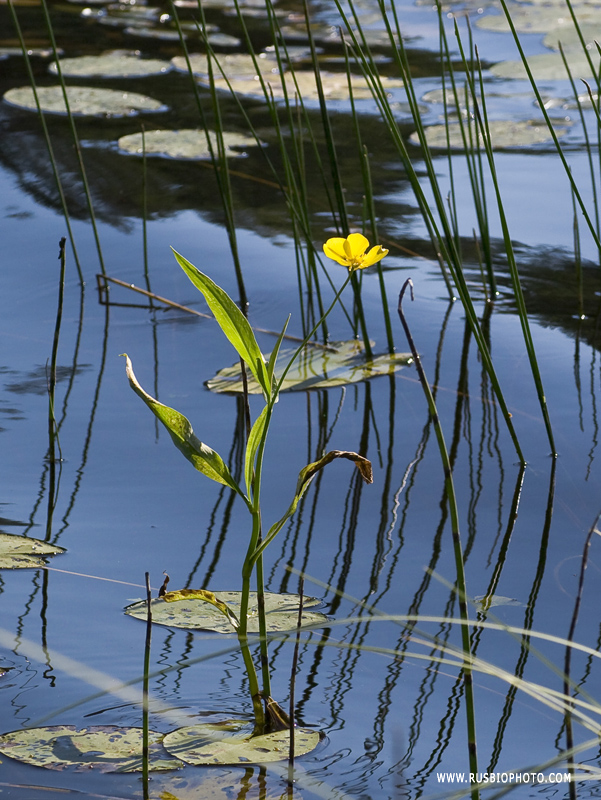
x,y
52,426
460,583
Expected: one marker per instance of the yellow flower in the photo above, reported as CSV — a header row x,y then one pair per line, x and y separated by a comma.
x,y
351,252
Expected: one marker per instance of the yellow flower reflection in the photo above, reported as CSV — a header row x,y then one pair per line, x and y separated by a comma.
x,y
352,251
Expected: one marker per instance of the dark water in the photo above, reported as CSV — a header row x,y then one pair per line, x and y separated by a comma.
x,y
127,503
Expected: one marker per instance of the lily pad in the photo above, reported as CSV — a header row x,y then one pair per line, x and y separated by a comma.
x,y
84,101
317,368
114,64
231,742
545,67
591,33
105,748
503,135
335,86
183,144
196,614
545,19
236,66
21,552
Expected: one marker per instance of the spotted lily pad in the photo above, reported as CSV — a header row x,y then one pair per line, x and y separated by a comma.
x,y
317,368
21,552
545,67
84,101
183,144
114,64
231,742
503,134
196,614
105,748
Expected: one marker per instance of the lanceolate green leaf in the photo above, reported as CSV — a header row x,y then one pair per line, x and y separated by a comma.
x,y
200,455
257,433
231,321
305,477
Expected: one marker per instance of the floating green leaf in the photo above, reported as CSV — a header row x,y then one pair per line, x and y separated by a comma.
x,y
105,748
183,144
200,455
83,101
334,84
503,134
317,368
231,742
113,64
237,66
21,552
195,614
545,67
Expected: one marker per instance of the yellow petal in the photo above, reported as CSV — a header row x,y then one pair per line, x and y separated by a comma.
x,y
355,245
334,249
376,254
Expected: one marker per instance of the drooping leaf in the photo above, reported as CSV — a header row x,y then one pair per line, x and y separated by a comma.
x,y
200,455
231,742
206,597
232,322
191,613
105,748
183,144
317,368
305,477
22,552
83,101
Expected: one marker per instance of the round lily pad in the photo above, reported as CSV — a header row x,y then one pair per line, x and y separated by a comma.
x,y
115,64
195,614
543,20
545,67
316,368
568,36
183,144
84,101
335,86
21,552
503,135
235,66
105,748
231,742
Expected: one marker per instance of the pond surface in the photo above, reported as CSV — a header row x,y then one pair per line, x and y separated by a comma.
x,y
125,502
